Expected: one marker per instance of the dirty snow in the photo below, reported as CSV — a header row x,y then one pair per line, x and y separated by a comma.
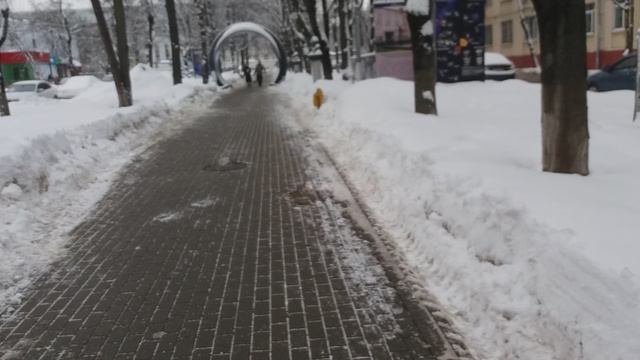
x,y
205,203
58,157
527,264
168,217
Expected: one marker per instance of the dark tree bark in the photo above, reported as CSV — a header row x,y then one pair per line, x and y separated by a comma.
x,y
4,103
175,41
119,64
123,48
150,21
424,60
565,132
203,22
342,18
325,20
311,6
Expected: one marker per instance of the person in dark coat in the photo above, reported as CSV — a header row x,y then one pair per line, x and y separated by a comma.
x,y
259,72
247,74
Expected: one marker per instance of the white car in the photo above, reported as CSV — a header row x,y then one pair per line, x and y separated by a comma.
x,y
29,90
73,86
498,67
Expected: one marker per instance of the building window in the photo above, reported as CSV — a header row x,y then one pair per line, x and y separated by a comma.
x,y
590,17
619,17
488,35
507,32
388,37
532,26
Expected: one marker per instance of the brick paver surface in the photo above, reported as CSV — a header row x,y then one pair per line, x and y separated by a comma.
x,y
207,248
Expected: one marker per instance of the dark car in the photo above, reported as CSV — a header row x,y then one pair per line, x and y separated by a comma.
x,y
620,75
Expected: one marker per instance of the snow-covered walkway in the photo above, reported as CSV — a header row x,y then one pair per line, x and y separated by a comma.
x,y
215,243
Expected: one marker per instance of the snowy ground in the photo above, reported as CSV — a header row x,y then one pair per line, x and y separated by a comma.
x,y
529,265
58,157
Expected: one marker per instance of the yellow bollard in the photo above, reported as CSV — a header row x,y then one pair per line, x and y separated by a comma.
x,y
318,98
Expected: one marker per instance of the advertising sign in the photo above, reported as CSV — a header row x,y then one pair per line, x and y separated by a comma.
x,y
460,40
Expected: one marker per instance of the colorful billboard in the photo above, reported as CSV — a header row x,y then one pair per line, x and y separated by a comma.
x,y
460,40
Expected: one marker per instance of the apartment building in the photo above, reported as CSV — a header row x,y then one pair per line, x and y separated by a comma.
x,y
605,35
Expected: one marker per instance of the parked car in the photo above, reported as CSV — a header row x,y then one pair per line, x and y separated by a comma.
x,y
73,86
621,75
29,89
498,67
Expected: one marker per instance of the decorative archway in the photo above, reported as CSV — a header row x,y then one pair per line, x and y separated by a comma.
x,y
241,28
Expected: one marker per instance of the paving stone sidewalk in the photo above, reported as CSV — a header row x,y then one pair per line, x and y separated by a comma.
x,y
208,246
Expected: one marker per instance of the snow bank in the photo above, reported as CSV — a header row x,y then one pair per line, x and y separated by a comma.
x,y
529,265
58,157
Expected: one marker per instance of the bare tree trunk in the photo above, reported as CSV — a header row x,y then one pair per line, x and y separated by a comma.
x,y
424,60
344,53
175,41
324,47
565,132
302,32
67,28
203,19
527,35
151,22
325,20
372,30
123,84
4,103
123,50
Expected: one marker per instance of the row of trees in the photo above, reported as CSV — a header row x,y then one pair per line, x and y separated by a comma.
x,y
318,23
181,19
308,23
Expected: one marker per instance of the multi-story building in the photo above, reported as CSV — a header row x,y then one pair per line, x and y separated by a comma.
x,y
606,34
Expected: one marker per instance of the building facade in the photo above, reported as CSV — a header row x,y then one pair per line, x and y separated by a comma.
x,y
26,65
606,34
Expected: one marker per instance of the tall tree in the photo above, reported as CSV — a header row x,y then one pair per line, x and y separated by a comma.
x,y
527,34
151,19
301,31
342,18
203,20
312,11
4,103
175,41
421,16
565,132
119,63
325,20
69,33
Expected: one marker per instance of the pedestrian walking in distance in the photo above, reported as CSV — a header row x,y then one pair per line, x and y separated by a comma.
x,y
259,72
247,74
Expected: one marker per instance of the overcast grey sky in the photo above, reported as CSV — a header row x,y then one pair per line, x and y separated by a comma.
x,y
22,5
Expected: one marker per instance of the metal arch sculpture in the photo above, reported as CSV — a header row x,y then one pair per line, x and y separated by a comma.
x,y
247,27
